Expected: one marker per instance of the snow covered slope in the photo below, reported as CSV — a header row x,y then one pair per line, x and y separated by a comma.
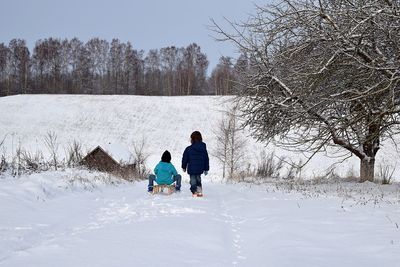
x,y
164,122
76,218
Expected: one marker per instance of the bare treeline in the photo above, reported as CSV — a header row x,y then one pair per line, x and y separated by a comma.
x,y
57,66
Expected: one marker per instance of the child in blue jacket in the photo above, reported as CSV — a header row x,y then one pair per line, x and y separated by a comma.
x,y
165,173
196,162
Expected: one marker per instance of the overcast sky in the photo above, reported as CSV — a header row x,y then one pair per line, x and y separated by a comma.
x,y
146,24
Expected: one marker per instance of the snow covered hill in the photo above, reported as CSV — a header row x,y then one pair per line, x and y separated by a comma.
x,y
80,218
163,122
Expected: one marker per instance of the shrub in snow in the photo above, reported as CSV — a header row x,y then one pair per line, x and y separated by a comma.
x,y
74,154
33,162
386,173
269,166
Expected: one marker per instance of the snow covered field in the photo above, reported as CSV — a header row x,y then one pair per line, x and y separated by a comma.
x,y
43,224
81,218
163,122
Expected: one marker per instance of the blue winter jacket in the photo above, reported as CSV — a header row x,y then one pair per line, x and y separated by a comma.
x,y
195,159
165,172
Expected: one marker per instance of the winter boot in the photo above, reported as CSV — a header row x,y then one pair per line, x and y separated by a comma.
x,y
199,191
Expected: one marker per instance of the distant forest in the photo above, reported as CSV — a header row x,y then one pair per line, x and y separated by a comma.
x,y
62,66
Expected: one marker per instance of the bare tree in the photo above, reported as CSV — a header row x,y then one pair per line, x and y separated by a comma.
x,y
55,61
75,58
141,156
50,141
116,63
153,82
19,66
4,63
323,73
98,56
230,149
169,65
222,147
237,143
223,77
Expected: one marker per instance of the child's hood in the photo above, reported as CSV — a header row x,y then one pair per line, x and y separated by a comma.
x,y
199,146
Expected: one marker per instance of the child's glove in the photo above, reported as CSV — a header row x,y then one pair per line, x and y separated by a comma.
x,y
205,172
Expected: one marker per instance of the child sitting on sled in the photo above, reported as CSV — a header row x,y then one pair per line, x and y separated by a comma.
x,y
165,173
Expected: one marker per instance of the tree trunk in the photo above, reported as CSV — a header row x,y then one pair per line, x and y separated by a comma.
x,y
223,170
367,168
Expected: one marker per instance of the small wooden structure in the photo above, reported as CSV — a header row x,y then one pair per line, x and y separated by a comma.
x,y
108,160
99,159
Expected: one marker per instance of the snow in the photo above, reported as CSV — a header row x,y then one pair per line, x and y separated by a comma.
x,y
76,217
233,225
162,123
119,152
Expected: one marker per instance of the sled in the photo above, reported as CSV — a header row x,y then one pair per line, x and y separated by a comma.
x,y
164,189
